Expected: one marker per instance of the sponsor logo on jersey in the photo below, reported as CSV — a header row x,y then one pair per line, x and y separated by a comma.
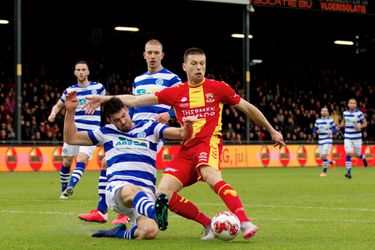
x,y
124,142
210,97
141,135
159,81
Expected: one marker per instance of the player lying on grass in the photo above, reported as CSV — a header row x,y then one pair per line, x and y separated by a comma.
x,y
130,151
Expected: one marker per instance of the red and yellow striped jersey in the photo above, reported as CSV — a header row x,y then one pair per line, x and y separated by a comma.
x,y
205,101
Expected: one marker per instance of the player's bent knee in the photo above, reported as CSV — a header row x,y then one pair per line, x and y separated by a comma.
x,y
148,230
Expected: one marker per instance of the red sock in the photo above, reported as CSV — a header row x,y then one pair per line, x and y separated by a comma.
x,y
231,199
187,209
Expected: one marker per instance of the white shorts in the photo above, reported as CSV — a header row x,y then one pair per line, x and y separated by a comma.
x,y
73,150
159,146
353,145
112,198
324,149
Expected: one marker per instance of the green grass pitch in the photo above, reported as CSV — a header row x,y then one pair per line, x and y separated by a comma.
x,y
294,208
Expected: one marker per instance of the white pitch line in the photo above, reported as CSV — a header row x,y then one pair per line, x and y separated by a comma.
x,y
314,220
298,207
218,204
174,216
34,212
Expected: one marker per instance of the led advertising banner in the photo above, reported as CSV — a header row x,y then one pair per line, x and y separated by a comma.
x,y
48,158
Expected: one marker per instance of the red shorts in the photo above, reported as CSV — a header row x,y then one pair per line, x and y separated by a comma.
x,y
185,167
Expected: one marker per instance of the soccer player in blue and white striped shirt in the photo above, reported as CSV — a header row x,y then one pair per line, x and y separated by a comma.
x,y
83,122
325,127
155,79
130,150
353,121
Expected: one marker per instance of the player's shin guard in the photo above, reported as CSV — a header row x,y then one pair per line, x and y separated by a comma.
x,y
102,205
77,174
64,177
231,199
187,209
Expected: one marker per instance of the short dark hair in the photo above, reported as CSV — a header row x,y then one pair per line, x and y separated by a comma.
x,y
81,62
193,51
112,106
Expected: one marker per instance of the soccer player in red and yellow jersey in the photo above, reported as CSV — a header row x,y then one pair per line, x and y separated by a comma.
x,y
199,156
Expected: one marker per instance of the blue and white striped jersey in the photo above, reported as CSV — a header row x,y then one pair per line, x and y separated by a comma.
x,y
85,122
324,125
131,156
351,119
150,84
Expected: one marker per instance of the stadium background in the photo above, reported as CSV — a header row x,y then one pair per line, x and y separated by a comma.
x,y
302,69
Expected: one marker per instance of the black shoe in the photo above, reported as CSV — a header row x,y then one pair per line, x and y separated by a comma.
x,y
349,176
109,233
161,210
365,162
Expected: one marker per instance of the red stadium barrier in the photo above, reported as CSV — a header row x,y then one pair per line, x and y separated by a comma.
x,y
48,158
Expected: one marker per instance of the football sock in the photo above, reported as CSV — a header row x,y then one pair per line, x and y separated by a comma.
x,y
127,233
187,209
102,205
231,199
144,205
64,177
77,174
348,163
325,165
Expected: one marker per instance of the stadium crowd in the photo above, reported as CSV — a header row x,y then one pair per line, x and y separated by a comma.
x,y
290,96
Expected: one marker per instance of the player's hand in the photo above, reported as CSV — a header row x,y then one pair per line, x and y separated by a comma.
x,y
93,102
188,120
358,127
329,132
51,117
71,101
318,131
278,138
163,117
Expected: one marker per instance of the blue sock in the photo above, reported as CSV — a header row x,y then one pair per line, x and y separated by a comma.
x,y
64,177
77,174
325,165
144,205
102,205
329,161
348,163
127,233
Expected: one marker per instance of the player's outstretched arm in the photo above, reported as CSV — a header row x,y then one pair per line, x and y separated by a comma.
x,y
254,114
182,133
130,101
55,110
71,135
